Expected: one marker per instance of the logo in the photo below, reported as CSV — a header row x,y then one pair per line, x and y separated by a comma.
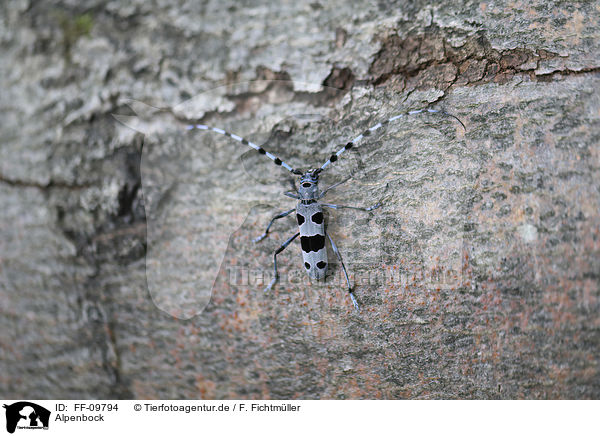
x,y
26,415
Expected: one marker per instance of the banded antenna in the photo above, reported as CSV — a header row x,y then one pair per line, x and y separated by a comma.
x,y
349,145
245,141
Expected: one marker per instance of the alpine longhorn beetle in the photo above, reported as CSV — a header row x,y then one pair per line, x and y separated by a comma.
x,y
309,212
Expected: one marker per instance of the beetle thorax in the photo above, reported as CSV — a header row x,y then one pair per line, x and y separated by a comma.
x,y
309,186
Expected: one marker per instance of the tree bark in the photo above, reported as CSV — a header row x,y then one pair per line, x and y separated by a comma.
x,y
127,267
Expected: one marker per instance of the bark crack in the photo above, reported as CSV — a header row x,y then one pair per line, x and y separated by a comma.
x,y
42,186
429,60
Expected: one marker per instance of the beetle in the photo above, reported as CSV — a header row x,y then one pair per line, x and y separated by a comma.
x,y
309,211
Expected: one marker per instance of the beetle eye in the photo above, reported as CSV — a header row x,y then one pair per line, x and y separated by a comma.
x,y
306,185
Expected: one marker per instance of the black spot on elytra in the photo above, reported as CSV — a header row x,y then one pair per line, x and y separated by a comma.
x,y
317,218
306,185
349,145
333,158
300,219
261,150
244,141
306,265
366,132
312,243
321,264
277,161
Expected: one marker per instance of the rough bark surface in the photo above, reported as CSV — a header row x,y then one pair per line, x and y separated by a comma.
x,y
478,277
